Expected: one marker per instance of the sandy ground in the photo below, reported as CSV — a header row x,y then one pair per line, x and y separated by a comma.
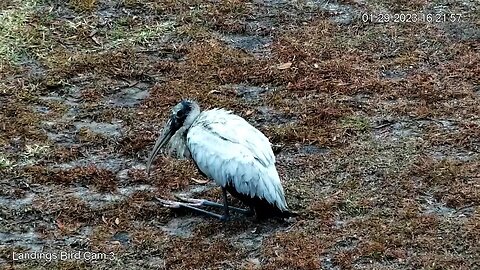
x,y
372,108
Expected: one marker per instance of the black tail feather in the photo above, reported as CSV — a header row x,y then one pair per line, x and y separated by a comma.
x,y
263,209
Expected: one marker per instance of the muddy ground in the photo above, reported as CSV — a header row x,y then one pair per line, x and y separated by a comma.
x,y
375,126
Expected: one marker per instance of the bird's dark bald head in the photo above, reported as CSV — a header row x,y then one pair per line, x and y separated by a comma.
x,y
186,103
181,111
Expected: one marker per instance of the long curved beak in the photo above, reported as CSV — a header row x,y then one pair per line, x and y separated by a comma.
x,y
161,141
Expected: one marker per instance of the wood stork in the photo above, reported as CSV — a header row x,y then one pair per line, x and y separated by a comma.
x,y
227,149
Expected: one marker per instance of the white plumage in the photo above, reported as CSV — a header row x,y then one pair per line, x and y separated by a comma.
x,y
227,149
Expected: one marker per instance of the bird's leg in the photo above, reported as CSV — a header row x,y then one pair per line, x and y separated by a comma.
x,y
175,204
202,202
193,204
251,211
226,215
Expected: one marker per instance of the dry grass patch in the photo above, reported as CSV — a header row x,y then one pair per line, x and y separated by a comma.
x,y
83,5
293,250
15,33
98,178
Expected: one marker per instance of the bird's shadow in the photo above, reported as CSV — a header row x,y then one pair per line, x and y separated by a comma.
x,y
235,218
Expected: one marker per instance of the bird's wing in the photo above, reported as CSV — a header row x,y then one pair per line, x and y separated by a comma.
x,y
229,150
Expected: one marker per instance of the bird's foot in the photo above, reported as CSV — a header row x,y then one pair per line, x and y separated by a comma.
x,y
169,203
183,202
203,202
175,204
190,201
193,204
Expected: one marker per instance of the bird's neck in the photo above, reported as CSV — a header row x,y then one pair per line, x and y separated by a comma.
x,y
178,144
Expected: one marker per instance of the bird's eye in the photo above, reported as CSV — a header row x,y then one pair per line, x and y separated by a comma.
x,y
180,114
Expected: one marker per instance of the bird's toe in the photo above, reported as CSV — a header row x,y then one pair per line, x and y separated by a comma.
x,y
168,203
